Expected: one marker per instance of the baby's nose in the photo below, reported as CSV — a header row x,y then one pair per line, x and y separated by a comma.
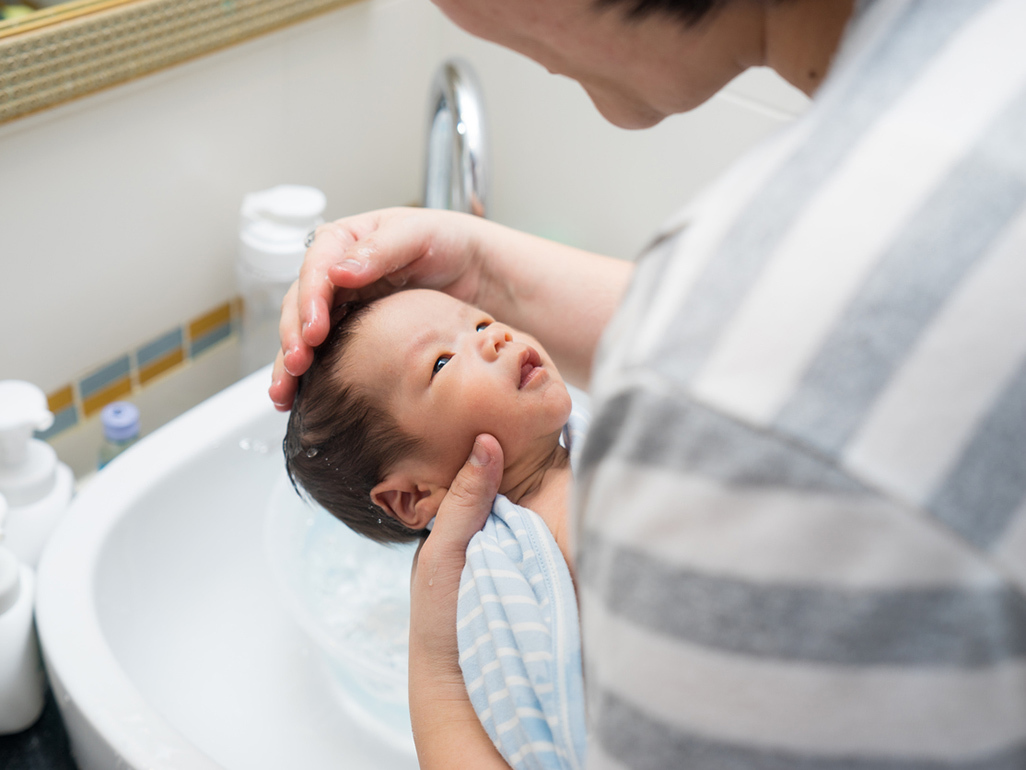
x,y
495,338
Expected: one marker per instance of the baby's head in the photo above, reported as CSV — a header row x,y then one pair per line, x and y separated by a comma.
x,y
388,412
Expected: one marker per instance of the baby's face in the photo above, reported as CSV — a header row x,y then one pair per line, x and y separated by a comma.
x,y
448,372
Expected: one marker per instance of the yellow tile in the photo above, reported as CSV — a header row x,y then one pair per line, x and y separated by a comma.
x,y
161,365
101,398
216,317
60,399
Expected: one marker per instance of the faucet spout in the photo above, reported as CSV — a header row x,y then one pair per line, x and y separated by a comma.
x,y
457,169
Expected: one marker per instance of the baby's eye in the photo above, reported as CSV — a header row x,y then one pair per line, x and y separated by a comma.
x,y
482,325
442,361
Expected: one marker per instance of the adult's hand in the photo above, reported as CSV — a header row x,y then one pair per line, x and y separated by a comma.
x,y
560,295
446,729
366,256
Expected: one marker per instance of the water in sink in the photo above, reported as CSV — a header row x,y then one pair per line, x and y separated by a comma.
x,y
352,597
169,638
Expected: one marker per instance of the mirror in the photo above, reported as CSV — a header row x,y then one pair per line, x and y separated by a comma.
x,y
53,54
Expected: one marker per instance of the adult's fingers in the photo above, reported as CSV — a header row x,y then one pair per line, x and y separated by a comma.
x,y
306,309
283,385
401,237
297,355
413,247
316,293
362,257
351,254
293,358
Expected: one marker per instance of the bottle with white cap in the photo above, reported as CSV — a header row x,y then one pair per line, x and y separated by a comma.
x,y
275,223
38,487
22,682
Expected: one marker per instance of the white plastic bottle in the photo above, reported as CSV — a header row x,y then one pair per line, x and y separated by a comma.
x,y
272,236
37,486
22,682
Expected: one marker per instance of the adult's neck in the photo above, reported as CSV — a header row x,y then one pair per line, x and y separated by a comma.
x,y
802,37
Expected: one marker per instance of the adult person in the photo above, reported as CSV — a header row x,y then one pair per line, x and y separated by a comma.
x,y
801,522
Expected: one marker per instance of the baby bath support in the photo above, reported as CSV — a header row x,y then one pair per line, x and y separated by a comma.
x,y
162,629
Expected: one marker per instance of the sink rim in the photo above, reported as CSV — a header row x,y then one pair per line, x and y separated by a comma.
x,y
96,696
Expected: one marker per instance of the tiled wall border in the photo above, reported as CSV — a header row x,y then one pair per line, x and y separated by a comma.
x,y
122,376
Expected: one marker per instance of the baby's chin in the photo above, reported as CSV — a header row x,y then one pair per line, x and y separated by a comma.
x,y
569,402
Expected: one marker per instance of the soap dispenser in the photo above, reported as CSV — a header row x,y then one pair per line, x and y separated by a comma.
x,y
37,486
22,682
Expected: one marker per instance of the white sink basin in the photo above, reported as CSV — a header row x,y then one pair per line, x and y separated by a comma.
x,y
166,638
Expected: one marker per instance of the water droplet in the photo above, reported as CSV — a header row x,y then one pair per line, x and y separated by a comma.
x,y
311,452
253,445
431,582
379,521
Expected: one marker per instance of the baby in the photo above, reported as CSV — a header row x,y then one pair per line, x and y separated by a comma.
x,y
389,410
382,423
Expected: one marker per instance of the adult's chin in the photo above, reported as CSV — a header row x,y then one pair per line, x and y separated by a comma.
x,y
631,116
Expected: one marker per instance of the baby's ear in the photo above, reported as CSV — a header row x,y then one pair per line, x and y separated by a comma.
x,y
402,499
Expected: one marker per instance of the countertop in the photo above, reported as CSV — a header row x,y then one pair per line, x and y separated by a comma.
x,y
44,746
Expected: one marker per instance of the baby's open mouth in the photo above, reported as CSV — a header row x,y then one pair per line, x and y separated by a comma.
x,y
530,366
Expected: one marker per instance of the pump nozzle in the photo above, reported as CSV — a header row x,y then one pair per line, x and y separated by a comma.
x,y
22,411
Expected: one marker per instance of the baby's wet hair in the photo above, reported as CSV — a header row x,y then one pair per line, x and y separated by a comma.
x,y
340,443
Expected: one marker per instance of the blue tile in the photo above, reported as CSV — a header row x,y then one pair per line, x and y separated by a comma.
x,y
204,341
159,347
112,372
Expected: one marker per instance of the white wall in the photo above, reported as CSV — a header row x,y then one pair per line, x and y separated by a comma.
x,y
118,212
562,171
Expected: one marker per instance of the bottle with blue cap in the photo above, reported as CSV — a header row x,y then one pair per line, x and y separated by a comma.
x,y
120,429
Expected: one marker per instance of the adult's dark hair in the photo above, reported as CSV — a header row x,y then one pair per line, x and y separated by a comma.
x,y
339,442
690,12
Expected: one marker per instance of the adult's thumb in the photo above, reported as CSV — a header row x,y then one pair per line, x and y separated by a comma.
x,y
466,506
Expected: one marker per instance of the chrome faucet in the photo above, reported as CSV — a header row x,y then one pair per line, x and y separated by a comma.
x,y
457,169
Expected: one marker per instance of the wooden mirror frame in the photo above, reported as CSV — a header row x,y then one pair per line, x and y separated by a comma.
x,y
70,50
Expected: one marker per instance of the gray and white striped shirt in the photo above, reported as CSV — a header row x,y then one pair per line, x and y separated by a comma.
x,y
801,517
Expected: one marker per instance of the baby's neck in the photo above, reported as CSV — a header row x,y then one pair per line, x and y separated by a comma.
x,y
542,484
